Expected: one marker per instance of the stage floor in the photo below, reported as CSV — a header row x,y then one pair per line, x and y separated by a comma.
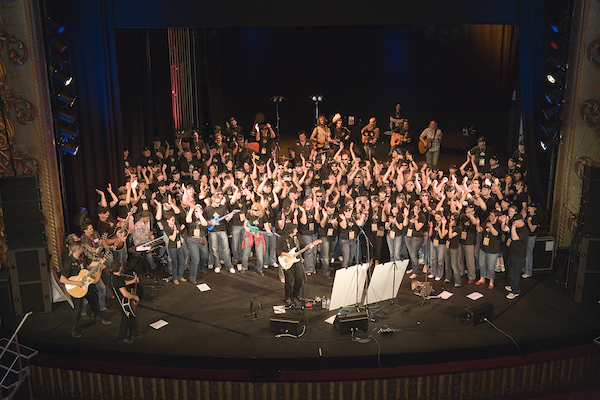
x,y
211,330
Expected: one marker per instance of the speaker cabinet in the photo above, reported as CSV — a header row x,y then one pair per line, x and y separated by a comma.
x,y
543,253
29,278
6,307
589,209
476,315
23,217
347,323
291,324
586,287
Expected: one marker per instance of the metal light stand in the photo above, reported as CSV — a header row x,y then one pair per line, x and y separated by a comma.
x,y
317,98
392,299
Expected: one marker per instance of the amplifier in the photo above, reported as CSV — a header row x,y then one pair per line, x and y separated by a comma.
x,y
474,316
292,324
149,292
347,323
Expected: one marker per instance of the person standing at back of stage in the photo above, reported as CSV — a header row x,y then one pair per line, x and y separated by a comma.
x,y
431,138
482,153
370,136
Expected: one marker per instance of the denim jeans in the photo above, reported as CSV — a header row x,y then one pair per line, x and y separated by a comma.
x,y
178,263
237,237
348,249
528,269
270,257
413,244
515,266
395,247
220,244
198,255
466,252
451,265
487,265
437,260
310,255
259,245
327,248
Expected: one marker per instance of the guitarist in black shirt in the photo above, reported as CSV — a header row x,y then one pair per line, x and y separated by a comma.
x,y
125,297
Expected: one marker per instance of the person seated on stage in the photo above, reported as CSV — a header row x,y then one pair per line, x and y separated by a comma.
x,y
73,265
128,318
396,117
339,133
370,136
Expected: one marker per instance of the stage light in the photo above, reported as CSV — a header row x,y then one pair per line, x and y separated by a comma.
x,y
317,98
58,45
66,117
277,99
553,96
59,60
56,27
66,98
62,77
551,130
551,78
550,112
67,134
543,145
70,148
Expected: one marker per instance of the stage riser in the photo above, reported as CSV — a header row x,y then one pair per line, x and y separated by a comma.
x,y
501,382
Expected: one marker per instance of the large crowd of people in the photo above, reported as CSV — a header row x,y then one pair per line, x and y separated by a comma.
x,y
233,203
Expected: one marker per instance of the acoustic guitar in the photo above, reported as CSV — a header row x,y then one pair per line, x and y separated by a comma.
x,y
287,262
129,306
119,236
87,276
424,145
398,138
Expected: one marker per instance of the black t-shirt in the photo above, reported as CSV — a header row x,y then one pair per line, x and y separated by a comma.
x,y
285,243
211,212
491,244
310,228
72,266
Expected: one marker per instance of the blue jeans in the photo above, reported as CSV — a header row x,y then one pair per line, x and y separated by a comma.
x,y
237,237
413,244
327,248
270,257
437,260
487,265
348,249
451,265
310,255
198,255
219,243
258,245
178,263
528,269
395,247
466,252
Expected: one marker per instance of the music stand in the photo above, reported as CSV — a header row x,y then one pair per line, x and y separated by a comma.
x,y
348,286
382,287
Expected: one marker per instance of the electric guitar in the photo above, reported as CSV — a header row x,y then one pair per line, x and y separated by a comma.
x,y
287,262
255,231
218,219
87,276
119,236
129,306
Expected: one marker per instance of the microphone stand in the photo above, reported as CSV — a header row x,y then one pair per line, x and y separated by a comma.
x,y
368,243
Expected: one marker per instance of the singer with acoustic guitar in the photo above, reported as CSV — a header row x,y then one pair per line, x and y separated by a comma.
x,y
430,143
71,269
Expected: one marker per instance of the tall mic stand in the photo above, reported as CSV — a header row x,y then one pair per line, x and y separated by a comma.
x,y
357,250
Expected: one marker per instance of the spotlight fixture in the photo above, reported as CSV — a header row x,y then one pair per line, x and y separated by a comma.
x,y
66,98
551,78
59,60
58,45
553,96
62,77
551,129
67,134
544,145
317,98
56,27
66,117
277,99
69,148
551,112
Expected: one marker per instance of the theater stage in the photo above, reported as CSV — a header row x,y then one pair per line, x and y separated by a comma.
x,y
211,330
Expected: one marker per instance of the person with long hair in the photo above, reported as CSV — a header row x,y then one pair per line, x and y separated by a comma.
x,y
255,226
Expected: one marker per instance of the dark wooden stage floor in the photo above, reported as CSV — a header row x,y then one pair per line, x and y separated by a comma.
x,y
210,329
